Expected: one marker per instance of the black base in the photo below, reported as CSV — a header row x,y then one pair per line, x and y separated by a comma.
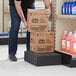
x,y
68,60
43,59
4,41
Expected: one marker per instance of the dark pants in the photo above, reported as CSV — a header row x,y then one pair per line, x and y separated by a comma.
x,y
13,34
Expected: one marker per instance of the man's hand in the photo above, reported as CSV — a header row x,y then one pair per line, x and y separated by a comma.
x,y
47,5
48,12
25,22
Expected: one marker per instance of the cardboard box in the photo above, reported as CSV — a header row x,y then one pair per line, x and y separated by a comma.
x,y
42,42
37,20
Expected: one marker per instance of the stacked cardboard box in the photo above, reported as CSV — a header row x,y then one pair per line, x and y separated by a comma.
x,y
41,41
37,21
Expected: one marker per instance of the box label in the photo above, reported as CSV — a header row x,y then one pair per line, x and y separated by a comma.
x,y
41,41
45,48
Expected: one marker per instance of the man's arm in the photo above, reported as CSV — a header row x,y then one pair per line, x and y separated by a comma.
x,y
20,12
47,5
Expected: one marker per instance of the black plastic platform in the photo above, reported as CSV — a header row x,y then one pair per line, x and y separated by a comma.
x,y
67,59
43,59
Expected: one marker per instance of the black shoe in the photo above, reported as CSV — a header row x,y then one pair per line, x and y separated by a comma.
x,y
12,58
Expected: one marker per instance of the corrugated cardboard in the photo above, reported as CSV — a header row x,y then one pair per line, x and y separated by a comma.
x,y
37,20
42,42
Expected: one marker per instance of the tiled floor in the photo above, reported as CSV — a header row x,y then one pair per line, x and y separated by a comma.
x,y
23,68
4,51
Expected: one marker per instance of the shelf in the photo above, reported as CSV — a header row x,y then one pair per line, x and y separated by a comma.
x,y
4,40
8,36
73,56
68,59
6,12
62,23
21,36
70,17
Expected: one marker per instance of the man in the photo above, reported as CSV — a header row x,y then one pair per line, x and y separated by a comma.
x,y
18,13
